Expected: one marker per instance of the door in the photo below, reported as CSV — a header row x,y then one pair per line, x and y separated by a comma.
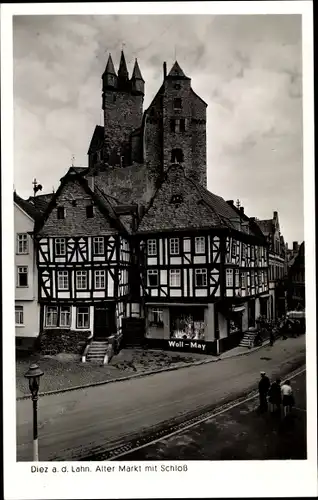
x,y
103,321
251,313
133,332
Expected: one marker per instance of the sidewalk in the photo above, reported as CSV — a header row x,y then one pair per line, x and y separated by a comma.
x,y
64,373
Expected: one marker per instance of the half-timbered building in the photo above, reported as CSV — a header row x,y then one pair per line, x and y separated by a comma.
x,y
135,243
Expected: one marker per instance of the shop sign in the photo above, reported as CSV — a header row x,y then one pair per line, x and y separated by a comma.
x,y
187,344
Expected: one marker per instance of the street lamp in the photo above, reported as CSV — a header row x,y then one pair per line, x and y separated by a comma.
x,y
33,375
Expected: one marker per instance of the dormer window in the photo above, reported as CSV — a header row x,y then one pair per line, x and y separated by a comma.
x,y
177,156
89,211
177,104
176,199
60,213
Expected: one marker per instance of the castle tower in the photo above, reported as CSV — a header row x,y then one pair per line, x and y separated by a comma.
x,y
184,125
123,108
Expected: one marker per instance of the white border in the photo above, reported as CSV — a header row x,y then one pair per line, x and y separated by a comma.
x,y
205,479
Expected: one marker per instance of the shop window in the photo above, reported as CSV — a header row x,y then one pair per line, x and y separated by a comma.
x,y
174,246
229,278
152,276
51,316
65,316
22,276
82,317
22,244
60,248
60,212
235,323
200,278
200,245
187,323
152,247
175,277
156,317
19,315
62,280
98,245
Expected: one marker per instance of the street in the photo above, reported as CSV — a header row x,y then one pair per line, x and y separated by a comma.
x,y
238,433
78,424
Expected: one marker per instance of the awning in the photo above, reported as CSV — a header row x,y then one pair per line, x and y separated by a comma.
x,y
238,309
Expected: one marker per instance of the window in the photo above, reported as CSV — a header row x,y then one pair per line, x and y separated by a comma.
x,y
82,317
152,247
51,316
99,280
200,277
237,278
174,246
177,104
175,277
176,199
243,251
98,245
22,244
233,248
200,244
178,125
65,316
22,276
152,277
243,280
62,280
176,155
81,280
19,315
60,213
90,211
60,248
156,316
252,278
229,277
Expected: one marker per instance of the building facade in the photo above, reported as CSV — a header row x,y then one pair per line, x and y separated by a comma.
x,y
296,280
135,246
277,270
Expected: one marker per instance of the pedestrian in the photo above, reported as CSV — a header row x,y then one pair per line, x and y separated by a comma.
x,y
275,397
263,387
271,338
287,397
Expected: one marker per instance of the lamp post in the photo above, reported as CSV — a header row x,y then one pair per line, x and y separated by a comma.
x,y
33,375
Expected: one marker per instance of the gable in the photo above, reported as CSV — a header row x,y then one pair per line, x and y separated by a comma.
x,y
74,198
167,213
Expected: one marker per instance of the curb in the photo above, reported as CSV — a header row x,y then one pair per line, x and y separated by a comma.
x,y
143,374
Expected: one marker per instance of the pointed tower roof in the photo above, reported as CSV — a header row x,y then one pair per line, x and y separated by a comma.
x,y
136,72
177,73
123,71
110,66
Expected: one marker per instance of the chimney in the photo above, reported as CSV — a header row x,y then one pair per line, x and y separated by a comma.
x,y
275,215
242,210
295,246
252,219
164,70
230,202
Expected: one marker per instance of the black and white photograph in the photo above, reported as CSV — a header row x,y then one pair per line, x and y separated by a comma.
x,y
161,257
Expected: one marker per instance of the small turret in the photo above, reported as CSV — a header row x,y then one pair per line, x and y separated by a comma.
x,y
123,76
109,76
137,81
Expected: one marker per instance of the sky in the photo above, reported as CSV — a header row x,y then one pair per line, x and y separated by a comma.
x,y
247,68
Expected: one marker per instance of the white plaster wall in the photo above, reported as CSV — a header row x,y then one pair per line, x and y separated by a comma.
x,y
30,327
209,333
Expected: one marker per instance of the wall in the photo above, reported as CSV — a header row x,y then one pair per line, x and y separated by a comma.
x,y
257,308
24,224
51,342
209,312
30,317
245,318
223,325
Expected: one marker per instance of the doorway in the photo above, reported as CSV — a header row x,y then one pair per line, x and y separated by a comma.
x,y
251,313
104,321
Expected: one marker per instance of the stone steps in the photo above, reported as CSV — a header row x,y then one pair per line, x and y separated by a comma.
x,y
97,351
248,339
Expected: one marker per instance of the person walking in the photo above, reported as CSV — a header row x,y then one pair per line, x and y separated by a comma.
x,y
287,397
263,387
275,397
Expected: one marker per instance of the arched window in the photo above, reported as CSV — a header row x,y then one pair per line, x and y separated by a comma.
x,y
177,156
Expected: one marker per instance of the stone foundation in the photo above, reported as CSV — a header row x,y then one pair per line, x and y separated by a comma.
x,y
51,342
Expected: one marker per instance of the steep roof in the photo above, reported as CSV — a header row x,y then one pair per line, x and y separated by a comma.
x,y
97,139
110,69
177,73
41,201
102,201
136,72
27,207
180,203
122,70
265,225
